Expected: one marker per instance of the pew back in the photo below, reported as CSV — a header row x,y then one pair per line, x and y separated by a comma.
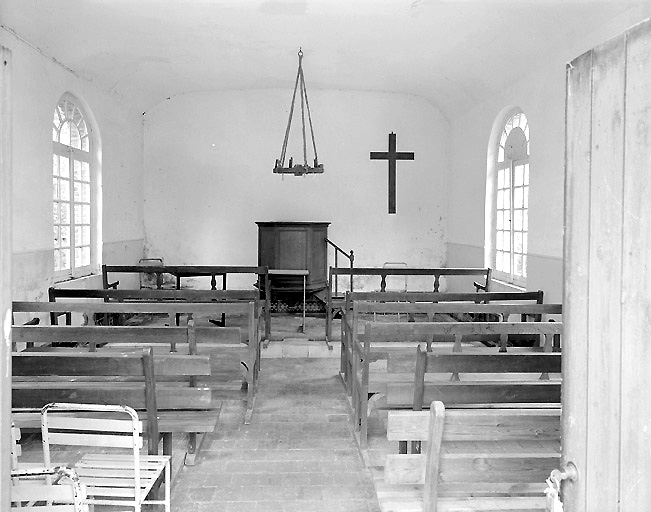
x,y
483,459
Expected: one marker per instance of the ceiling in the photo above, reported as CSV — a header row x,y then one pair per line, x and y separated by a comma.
x,y
452,52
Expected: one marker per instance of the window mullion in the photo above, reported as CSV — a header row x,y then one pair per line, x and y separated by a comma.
x,y
512,214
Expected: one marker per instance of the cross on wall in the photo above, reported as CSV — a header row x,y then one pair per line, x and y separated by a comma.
x,y
392,156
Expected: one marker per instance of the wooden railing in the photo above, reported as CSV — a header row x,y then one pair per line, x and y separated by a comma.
x,y
349,256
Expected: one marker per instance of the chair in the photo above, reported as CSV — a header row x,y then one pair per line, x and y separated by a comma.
x,y
47,490
119,474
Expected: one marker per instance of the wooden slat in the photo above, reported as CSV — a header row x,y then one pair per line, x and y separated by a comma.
x,y
167,398
450,393
412,330
494,363
445,296
25,364
134,306
636,273
100,334
456,307
81,439
66,422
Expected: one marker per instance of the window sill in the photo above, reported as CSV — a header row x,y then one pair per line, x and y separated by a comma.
x,y
514,287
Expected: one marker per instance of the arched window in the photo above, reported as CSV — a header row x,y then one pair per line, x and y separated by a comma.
x,y
511,201
71,180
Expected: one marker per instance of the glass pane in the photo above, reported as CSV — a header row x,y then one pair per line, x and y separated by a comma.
x,y
78,259
503,138
506,262
526,197
64,190
507,199
57,265
75,138
85,171
55,165
77,193
526,174
55,213
64,167
76,164
85,231
507,178
524,243
498,261
519,176
85,217
507,220
55,134
524,266
83,129
84,143
500,199
85,256
500,220
56,236
78,214
500,178
64,136
525,220
78,238
518,265
64,211
517,220
499,241
500,154
64,259
85,192
76,116
65,236
517,197
507,241
509,126
517,242
526,132
55,188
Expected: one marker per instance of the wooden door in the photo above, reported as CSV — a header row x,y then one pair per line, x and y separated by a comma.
x,y
5,278
607,295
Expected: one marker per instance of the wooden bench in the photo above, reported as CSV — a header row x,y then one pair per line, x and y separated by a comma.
x,y
235,352
145,295
475,459
334,304
154,385
434,305
186,271
396,343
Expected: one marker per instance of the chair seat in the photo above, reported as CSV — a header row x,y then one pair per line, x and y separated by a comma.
x,y
110,476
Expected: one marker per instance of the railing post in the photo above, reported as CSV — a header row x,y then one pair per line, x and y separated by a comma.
x,y
352,259
336,278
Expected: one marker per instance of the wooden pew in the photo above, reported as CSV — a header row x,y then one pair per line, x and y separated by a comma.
x,y
334,304
396,342
476,459
433,305
185,271
154,385
236,355
145,295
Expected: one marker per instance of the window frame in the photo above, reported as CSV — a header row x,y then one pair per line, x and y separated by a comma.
x,y
508,159
70,111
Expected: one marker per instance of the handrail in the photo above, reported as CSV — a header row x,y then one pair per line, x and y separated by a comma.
x,y
351,259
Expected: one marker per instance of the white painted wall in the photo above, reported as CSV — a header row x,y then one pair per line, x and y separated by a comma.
x,y
37,84
208,176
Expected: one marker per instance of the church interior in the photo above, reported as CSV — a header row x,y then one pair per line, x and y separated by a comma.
x,y
178,114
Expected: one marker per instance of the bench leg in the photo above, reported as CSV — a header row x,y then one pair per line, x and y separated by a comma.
x,y
167,445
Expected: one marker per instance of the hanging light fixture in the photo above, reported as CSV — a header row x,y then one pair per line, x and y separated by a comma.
x,y
305,168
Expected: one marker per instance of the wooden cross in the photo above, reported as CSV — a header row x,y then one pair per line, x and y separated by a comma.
x,y
392,155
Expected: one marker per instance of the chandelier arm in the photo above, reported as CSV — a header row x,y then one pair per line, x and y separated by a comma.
x,y
289,121
309,117
302,85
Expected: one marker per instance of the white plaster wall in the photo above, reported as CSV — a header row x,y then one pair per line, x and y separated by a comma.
x,y
37,84
208,176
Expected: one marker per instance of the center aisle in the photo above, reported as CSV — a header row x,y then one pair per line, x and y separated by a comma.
x,y
298,453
